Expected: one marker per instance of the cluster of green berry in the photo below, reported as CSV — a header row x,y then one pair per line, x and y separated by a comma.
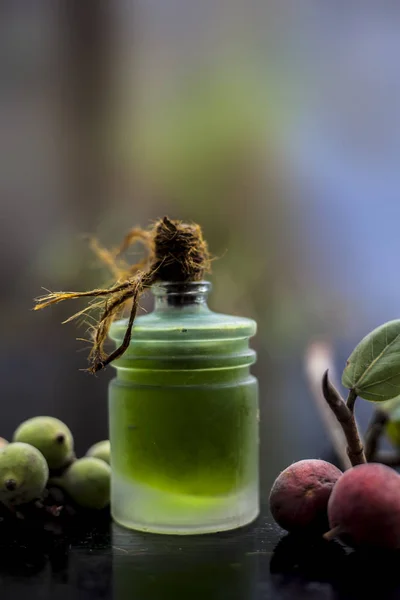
x,y
39,470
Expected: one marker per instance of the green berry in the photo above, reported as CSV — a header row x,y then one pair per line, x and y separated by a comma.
x,y
87,481
100,450
49,435
23,473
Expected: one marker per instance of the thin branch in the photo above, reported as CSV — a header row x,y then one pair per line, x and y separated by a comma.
x,y
318,358
345,416
389,457
351,400
374,433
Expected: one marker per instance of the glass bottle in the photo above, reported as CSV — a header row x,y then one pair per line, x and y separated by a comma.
x,y
184,417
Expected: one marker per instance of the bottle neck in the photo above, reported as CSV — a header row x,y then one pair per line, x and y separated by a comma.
x,y
191,295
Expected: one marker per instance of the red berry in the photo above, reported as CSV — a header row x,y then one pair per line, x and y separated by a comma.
x,y
300,494
365,507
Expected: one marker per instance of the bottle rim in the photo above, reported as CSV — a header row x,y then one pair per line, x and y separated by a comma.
x,y
179,288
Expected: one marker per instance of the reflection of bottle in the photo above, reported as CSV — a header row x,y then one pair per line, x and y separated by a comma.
x,y
182,568
184,418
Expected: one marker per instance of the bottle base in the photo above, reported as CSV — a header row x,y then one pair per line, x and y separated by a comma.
x,y
142,508
195,530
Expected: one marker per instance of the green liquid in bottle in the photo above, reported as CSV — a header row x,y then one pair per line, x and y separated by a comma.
x,y
184,418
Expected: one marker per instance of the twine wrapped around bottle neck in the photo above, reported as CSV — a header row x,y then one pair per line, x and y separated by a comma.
x,y
175,251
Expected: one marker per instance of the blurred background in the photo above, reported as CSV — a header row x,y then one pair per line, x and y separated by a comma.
x,y
274,124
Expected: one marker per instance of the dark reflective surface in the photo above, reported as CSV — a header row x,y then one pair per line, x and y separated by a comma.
x,y
259,562
203,568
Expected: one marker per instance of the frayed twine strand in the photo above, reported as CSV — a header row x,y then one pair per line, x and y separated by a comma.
x,y
174,251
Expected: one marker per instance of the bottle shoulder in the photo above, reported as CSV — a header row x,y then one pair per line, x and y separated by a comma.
x,y
171,324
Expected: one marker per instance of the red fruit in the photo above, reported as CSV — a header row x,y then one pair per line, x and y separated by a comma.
x,y
365,507
300,494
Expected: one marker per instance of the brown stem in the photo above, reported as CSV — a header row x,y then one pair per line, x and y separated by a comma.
x,y
345,415
318,358
374,433
332,533
389,458
351,400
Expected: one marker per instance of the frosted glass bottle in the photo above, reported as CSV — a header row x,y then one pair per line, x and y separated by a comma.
x,y
183,411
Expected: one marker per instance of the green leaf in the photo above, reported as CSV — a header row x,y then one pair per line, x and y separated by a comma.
x,y
373,369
